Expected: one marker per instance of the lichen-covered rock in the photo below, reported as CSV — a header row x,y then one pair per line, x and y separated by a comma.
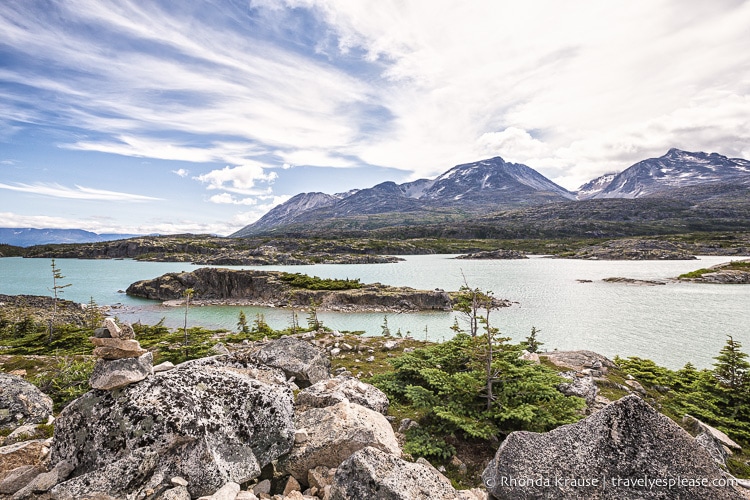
x,y
45,481
115,373
207,424
612,454
21,403
370,473
580,385
343,389
297,358
334,433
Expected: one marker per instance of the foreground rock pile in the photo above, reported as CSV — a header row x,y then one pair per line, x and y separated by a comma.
x,y
229,427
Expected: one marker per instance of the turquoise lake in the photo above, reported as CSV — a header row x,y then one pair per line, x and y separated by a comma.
x,y
671,324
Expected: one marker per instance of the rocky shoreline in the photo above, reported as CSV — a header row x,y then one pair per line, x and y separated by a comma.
x,y
216,286
728,273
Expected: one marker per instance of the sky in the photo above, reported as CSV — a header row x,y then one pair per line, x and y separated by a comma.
x,y
199,116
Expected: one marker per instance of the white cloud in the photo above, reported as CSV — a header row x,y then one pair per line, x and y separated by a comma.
x,y
226,198
78,193
239,180
181,172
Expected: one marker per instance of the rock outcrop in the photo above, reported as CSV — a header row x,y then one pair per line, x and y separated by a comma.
x,y
500,254
371,473
627,450
207,424
343,389
273,288
634,249
727,273
21,403
333,434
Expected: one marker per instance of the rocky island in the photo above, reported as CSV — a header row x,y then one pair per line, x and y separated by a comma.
x,y
634,249
736,272
499,254
280,289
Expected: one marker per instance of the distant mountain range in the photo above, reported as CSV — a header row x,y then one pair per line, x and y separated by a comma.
x,y
26,237
473,191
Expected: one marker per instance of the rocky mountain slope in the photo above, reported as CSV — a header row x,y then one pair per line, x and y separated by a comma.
x,y
676,169
478,187
26,236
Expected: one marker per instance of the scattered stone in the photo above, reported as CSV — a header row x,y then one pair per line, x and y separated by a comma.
x,y
636,386
335,351
371,473
389,345
319,477
370,359
176,493
407,424
342,389
18,478
246,495
262,487
210,426
335,433
179,481
300,436
21,402
627,440
18,454
227,492
291,485
297,358
220,349
163,367
114,374
407,350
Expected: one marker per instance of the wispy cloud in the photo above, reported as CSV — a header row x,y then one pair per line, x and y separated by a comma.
x,y
77,193
240,180
181,172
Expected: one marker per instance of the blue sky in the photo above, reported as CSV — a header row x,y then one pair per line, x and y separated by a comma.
x,y
199,116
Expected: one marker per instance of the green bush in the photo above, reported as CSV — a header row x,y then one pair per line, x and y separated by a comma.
x,y
421,443
298,280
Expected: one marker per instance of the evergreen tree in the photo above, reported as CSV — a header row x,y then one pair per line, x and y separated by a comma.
x,y
385,328
531,343
242,323
731,369
188,294
93,314
57,290
313,322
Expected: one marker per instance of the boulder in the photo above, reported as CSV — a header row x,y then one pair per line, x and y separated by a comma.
x,y
21,403
343,389
627,450
580,360
116,373
580,385
697,427
297,358
209,425
371,473
176,493
45,481
335,432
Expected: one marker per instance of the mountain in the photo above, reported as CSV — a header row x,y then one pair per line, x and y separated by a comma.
x,y
26,237
478,188
595,186
676,169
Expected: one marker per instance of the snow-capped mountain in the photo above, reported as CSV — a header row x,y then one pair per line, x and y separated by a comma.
x,y
595,186
676,169
481,187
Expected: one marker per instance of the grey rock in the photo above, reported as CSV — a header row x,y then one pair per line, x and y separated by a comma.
x,y
45,481
343,389
580,385
335,432
371,473
102,333
578,360
18,478
176,493
713,447
297,358
262,487
178,481
227,492
697,427
209,425
114,374
626,440
406,424
21,402
220,348
120,478
163,367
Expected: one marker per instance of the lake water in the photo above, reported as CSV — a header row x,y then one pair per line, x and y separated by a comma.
x,y
671,324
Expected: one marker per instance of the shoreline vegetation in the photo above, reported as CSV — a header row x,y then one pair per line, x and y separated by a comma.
x,y
214,250
436,386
